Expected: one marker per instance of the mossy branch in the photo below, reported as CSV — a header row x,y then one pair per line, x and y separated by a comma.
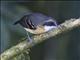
x,y
21,47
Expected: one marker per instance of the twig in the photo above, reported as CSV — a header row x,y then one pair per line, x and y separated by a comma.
x,y
21,47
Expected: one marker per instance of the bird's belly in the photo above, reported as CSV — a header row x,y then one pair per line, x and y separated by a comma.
x,y
37,31
40,30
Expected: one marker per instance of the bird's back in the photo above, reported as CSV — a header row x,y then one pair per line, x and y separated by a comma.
x,y
34,19
38,18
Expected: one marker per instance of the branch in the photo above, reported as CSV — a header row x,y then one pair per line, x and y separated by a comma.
x,y
21,47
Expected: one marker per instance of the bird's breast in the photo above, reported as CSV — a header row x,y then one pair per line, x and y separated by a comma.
x,y
47,28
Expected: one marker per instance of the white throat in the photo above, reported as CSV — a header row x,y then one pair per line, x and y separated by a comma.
x,y
47,28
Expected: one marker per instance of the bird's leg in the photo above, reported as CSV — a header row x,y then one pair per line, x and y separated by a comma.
x,y
29,38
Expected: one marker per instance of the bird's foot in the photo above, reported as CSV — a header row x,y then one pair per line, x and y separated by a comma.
x,y
30,40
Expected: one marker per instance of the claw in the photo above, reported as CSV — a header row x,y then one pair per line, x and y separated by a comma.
x,y
29,38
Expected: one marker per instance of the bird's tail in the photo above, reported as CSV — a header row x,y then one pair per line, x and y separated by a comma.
x,y
16,22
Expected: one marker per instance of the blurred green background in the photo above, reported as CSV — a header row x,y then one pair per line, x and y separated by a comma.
x,y
63,47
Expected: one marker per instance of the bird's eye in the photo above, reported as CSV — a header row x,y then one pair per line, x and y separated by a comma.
x,y
51,23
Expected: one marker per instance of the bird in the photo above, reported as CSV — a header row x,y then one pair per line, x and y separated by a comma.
x,y
37,23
